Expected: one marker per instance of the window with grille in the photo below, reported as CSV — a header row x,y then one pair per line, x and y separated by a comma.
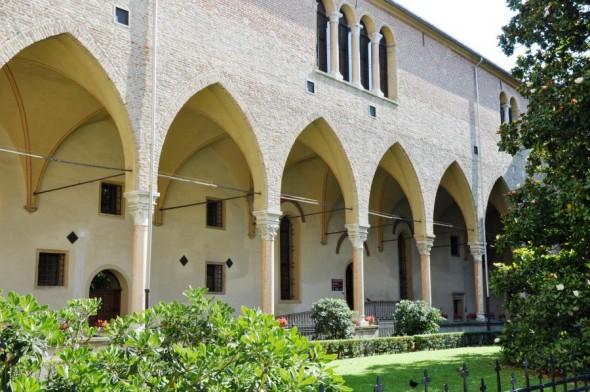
x,y
111,197
51,269
214,213
215,280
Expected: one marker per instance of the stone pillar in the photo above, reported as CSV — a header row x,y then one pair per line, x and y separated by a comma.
x,y
138,203
355,31
375,69
357,235
267,225
424,244
506,109
477,250
334,46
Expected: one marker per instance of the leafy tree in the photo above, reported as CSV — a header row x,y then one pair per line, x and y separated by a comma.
x,y
550,214
198,346
416,318
333,319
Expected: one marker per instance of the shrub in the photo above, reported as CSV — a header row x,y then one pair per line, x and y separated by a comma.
x,y
333,319
196,346
352,348
416,318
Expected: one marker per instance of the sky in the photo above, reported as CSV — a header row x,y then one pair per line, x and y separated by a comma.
x,y
474,23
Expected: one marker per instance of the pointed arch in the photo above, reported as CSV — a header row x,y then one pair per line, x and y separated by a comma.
x,y
216,97
320,138
397,164
72,57
455,183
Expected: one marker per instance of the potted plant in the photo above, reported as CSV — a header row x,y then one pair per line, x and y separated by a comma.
x,y
370,319
283,323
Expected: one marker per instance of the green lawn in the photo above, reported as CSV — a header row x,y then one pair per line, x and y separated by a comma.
x,y
396,370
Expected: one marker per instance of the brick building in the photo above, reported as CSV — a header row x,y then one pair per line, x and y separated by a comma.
x,y
301,149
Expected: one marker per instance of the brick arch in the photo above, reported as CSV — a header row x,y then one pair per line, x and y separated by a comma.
x,y
455,183
396,162
331,149
367,20
329,5
246,140
348,9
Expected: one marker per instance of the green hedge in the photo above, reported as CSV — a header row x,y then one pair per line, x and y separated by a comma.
x,y
352,348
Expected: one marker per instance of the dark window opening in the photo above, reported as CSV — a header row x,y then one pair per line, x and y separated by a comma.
x,y
365,42
122,16
454,245
286,259
215,213
403,271
383,67
215,278
343,47
322,37
51,269
111,198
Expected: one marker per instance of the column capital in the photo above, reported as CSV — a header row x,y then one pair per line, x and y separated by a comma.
x,y
375,38
355,29
505,106
357,234
267,223
424,243
138,204
335,16
476,249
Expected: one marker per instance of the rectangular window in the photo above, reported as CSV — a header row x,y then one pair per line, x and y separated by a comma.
x,y
51,269
215,278
122,16
111,197
215,213
454,245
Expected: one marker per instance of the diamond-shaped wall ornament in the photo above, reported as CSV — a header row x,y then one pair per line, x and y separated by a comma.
x,y
72,237
229,263
183,260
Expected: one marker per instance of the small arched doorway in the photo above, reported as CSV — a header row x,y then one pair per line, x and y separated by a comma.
x,y
106,286
349,286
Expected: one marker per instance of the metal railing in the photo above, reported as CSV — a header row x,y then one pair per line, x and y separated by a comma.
x,y
551,379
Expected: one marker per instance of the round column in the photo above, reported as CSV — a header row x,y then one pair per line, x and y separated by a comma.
x,y
138,205
424,244
267,225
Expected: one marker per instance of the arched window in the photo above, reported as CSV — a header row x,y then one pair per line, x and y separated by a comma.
x,y
288,260
322,37
513,113
387,64
504,113
365,57
344,48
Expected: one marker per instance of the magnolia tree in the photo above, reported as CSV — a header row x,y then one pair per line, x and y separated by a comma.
x,y
548,282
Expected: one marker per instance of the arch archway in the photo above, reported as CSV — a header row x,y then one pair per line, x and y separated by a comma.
x,y
106,286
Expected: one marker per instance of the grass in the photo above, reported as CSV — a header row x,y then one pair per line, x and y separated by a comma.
x,y
396,370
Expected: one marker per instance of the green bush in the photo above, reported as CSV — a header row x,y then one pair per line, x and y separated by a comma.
x,y
333,319
416,318
196,346
352,348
